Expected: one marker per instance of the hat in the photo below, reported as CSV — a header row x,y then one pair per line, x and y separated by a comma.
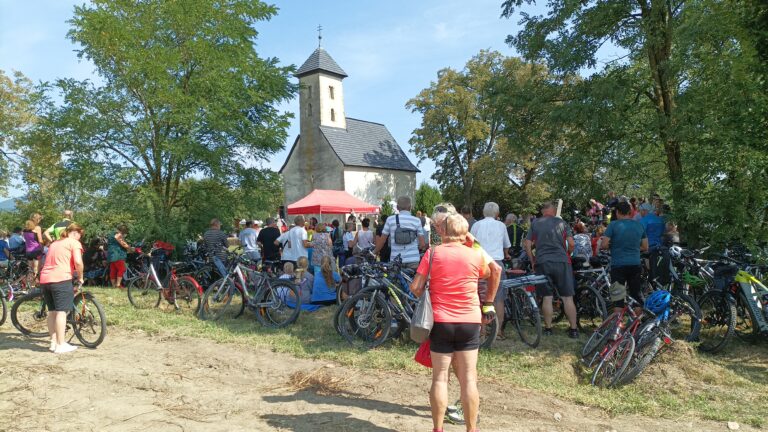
x,y
647,207
242,221
258,222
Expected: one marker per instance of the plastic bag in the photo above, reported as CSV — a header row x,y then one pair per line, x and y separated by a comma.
x,y
423,355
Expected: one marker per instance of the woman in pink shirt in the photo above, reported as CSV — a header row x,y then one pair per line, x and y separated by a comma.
x,y
455,336
64,258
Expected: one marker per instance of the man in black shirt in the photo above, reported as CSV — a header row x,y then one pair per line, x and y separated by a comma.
x,y
266,240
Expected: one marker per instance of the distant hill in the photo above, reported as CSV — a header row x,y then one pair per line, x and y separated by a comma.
x,y
8,205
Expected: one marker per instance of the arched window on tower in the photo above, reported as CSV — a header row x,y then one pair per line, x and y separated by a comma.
x,y
330,91
333,115
309,91
309,110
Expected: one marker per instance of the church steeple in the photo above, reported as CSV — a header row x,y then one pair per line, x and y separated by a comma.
x,y
321,97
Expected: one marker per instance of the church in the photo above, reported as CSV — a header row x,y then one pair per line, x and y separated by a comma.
x,y
337,152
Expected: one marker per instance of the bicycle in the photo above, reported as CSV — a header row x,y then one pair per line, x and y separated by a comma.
x,y
276,302
611,346
521,309
367,318
739,306
183,292
85,318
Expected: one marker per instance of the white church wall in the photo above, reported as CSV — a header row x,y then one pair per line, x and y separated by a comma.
x,y
372,185
324,84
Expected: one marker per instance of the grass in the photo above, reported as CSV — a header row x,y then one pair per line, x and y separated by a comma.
x,y
680,383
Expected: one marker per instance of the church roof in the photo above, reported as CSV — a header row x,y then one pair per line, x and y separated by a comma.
x,y
320,60
367,144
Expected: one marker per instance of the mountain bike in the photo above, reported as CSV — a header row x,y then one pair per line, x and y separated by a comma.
x,y
86,318
739,306
181,291
520,307
381,309
4,307
276,302
611,346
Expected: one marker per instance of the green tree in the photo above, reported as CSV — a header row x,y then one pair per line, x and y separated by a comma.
x,y
184,93
427,197
460,124
17,114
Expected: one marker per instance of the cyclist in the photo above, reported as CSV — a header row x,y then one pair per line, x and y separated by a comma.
x,y
16,241
625,238
248,240
5,252
33,241
554,243
410,228
215,243
117,252
53,233
63,262
654,230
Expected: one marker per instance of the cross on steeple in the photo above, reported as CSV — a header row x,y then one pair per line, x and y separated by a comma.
x,y
319,36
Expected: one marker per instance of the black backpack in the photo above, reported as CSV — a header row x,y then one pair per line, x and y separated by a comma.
x,y
404,236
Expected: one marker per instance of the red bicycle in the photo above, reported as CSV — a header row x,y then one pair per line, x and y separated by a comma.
x,y
178,288
612,345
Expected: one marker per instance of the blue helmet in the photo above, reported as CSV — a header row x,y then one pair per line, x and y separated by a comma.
x,y
658,301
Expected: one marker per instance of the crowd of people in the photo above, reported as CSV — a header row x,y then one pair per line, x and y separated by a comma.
x,y
461,257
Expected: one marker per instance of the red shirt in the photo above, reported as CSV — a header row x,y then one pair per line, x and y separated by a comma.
x,y
453,282
60,261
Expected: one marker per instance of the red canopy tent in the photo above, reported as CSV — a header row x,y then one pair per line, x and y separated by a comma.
x,y
330,201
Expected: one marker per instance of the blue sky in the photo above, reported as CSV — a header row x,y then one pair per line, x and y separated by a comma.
x,y
391,50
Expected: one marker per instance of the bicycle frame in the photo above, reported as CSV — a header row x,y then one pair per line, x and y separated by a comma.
x,y
757,297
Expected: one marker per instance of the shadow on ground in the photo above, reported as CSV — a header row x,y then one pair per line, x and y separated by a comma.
x,y
335,421
345,401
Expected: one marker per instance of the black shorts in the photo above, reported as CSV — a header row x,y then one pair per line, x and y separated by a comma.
x,y
631,277
59,296
446,338
561,276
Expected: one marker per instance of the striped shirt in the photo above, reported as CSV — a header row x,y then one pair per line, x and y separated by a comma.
x,y
216,243
408,253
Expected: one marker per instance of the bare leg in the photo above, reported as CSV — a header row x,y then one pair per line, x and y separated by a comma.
x,y
570,311
466,364
499,306
546,308
61,326
118,281
438,394
51,321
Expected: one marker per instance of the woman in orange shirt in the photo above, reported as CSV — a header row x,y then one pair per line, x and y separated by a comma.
x,y
455,336
65,257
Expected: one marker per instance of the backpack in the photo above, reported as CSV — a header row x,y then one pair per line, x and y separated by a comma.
x,y
404,236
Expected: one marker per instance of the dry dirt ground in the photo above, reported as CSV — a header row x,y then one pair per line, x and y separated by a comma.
x,y
135,382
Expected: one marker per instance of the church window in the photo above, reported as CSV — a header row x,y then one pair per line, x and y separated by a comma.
x,y
333,115
309,91
309,110
330,91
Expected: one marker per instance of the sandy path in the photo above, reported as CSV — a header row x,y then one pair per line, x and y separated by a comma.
x,y
134,382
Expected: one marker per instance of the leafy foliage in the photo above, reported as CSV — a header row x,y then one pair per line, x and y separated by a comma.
x,y
427,197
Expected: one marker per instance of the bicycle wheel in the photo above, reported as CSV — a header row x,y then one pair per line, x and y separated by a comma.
x,y
4,306
88,320
745,327
488,332
686,321
278,304
365,320
144,293
29,315
186,295
525,317
599,339
718,321
222,300
615,362
590,308
647,344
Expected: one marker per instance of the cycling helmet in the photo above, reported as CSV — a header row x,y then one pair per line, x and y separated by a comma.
x,y
675,252
658,301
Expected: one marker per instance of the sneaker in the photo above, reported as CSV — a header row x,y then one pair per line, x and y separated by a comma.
x,y
52,348
65,348
547,332
454,414
573,333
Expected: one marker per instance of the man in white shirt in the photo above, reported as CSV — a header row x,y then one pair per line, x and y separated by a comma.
x,y
494,239
294,242
248,241
409,225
